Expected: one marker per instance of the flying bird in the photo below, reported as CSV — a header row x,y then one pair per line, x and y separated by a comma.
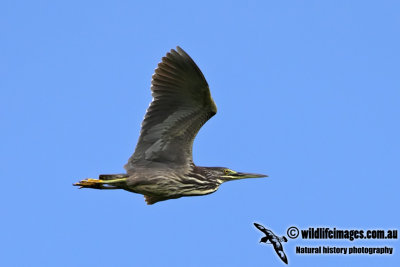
x,y
161,166
274,240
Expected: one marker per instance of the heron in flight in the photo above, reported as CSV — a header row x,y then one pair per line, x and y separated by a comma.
x,y
162,167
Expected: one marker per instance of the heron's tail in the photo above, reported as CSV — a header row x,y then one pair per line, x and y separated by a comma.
x,y
112,176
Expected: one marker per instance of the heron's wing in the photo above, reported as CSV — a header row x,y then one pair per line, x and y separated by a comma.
x,y
181,104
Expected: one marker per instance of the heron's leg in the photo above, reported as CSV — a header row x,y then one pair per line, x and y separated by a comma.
x,y
100,184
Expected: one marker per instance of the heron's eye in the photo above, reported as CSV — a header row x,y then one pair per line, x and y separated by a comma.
x,y
226,171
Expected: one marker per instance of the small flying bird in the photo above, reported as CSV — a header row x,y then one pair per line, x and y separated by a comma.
x,y
162,167
274,240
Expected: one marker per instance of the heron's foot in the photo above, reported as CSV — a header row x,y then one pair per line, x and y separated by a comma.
x,y
102,184
90,183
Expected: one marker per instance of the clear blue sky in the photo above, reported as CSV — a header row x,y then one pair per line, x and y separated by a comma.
x,y
307,92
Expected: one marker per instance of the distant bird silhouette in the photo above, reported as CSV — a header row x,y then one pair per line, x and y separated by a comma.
x,y
274,240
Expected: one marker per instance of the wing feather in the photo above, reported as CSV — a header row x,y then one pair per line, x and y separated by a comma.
x,y
181,104
279,250
261,228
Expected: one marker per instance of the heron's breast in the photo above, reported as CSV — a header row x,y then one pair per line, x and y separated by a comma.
x,y
173,186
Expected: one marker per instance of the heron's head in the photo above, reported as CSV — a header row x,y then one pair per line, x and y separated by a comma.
x,y
222,174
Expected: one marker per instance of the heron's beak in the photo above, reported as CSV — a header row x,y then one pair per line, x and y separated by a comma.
x,y
243,175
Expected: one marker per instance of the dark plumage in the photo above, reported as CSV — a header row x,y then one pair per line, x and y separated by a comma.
x,y
162,167
274,240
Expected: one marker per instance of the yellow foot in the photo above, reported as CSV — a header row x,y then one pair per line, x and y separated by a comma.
x,y
89,183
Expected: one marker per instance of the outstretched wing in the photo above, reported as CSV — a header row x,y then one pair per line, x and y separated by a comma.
x,y
279,250
181,104
261,228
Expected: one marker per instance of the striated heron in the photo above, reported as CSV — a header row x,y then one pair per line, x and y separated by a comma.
x,y
161,167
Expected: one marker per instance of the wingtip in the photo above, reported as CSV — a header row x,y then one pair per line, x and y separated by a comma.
x,y
257,225
181,52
